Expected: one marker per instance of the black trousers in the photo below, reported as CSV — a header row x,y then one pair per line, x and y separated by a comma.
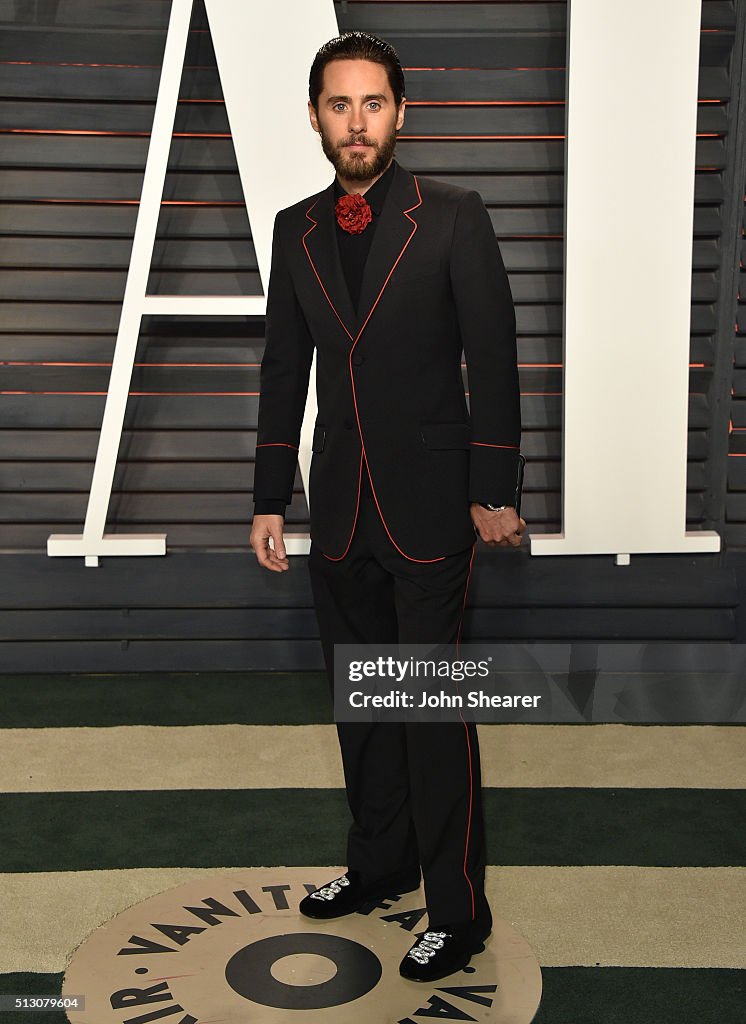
x,y
414,789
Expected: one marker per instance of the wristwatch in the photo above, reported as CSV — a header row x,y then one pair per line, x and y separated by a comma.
x,y
495,508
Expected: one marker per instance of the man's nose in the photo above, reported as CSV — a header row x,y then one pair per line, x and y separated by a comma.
x,y
357,121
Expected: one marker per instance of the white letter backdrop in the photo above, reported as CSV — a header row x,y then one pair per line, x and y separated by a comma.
x,y
629,191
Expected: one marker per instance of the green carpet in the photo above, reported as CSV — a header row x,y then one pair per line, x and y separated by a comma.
x,y
657,849
261,698
213,828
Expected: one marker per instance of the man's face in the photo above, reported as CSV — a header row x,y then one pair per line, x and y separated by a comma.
x,y
357,118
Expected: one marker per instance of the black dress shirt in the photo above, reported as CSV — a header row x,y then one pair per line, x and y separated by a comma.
x,y
354,249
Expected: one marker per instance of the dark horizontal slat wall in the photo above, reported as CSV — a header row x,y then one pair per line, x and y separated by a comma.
x,y
735,519
201,610
486,91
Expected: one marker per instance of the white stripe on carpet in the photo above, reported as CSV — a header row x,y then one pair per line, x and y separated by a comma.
x,y
571,916
261,757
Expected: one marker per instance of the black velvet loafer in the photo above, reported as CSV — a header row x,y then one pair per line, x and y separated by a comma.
x,y
347,894
439,952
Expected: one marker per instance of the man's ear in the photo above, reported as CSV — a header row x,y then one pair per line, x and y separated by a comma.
x,y
400,114
313,117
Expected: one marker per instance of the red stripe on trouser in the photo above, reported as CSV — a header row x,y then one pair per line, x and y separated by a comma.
x,y
468,750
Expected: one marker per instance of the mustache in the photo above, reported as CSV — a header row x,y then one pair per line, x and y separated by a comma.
x,y
362,141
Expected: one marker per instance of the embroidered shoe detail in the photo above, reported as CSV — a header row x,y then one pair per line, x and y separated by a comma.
x,y
328,892
428,945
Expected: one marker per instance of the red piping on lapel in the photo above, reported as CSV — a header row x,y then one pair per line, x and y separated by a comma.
x,y
468,745
303,240
388,276
339,558
393,268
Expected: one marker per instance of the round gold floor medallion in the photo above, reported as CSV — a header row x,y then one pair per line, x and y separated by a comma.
x,y
232,948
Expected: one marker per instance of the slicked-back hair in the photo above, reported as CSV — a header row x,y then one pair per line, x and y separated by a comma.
x,y
356,46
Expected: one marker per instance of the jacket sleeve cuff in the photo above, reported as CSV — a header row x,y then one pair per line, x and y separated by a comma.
x,y
269,507
274,471
493,476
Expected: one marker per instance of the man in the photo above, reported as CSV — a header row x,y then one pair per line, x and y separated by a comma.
x,y
389,276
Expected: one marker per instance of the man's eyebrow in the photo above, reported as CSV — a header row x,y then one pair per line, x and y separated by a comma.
x,y
348,99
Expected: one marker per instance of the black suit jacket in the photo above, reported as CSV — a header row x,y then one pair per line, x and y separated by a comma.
x,y
389,384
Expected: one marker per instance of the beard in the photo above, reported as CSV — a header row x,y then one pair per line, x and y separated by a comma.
x,y
355,165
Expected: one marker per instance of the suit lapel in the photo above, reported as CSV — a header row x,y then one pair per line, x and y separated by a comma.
x,y
394,231
393,234
322,250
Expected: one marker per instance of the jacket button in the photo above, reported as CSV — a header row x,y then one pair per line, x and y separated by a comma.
x,y
349,424
358,359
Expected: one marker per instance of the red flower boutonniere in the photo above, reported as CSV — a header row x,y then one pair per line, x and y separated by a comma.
x,y
353,213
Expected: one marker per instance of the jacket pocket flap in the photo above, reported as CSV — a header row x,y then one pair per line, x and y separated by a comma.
x,y
445,435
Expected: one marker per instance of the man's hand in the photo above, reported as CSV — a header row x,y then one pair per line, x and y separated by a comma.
x,y
498,528
262,529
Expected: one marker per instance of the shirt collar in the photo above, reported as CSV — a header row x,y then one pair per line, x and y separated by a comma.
x,y
376,194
